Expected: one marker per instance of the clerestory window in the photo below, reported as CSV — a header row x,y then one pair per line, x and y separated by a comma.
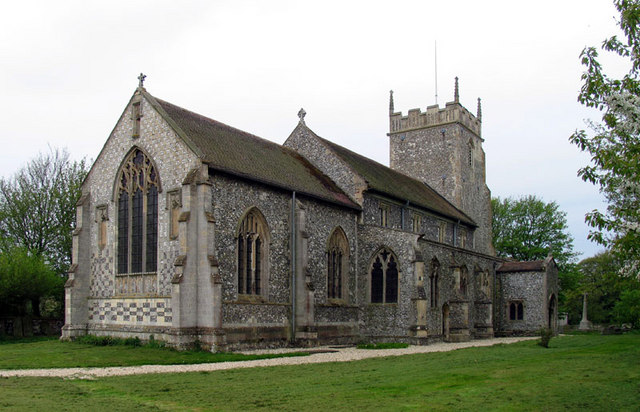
x,y
137,215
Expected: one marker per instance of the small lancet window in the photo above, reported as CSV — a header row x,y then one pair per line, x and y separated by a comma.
x,y
337,264
516,311
417,223
442,230
384,277
384,215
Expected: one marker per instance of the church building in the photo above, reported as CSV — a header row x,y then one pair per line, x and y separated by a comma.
x,y
191,230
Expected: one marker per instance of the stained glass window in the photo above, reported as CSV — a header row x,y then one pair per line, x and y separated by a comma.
x,y
137,215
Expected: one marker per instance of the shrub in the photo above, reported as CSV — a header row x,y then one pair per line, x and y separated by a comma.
x,y
135,342
545,336
155,344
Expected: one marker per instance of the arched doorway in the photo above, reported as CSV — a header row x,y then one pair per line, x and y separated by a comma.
x,y
445,322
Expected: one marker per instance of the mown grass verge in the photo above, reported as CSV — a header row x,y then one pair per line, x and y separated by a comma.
x,y
589,372
95,351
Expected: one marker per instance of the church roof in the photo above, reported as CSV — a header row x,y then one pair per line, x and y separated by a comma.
x,y
533,266
242,154
387,181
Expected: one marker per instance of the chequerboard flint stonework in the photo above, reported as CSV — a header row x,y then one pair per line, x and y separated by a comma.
x,y
191,230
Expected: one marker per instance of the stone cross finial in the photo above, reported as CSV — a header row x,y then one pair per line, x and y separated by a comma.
x,y
390,101
141,80
479,114
301,115
456,94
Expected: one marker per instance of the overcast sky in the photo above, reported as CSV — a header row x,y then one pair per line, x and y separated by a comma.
x,y
68,68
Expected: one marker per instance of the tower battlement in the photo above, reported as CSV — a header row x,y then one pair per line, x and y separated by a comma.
x,y
453,112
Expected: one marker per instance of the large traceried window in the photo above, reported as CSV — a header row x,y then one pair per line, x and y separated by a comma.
x,y
137,198
384,277
253,243
337,264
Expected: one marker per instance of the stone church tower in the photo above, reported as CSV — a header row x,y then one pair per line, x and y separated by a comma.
x,y
443,147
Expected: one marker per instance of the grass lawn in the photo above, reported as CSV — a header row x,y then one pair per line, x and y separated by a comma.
x,y
588,372
51,353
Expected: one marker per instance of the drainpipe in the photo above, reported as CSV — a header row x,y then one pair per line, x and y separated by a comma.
x,y
293,266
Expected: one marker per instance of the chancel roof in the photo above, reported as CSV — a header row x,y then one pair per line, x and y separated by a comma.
x,y
242,154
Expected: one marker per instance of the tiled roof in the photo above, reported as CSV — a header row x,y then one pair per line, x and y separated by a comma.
x,y
233,151
387,181
533,266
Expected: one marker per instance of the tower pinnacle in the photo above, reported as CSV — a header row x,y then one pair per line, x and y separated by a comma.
x,y
479,112
456,94
390,101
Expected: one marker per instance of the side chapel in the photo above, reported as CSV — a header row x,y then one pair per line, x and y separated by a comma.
x,y
191,230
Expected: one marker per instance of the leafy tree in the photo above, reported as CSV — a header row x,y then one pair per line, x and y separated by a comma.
x,y
614,146
627,309
25,279
37,207
600,277
529,229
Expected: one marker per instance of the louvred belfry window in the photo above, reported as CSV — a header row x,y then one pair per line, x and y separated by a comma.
x,y
252,253
137,215
384,277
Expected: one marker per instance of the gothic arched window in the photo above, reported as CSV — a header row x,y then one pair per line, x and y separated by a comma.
x,y
337,264
384,277
253,243
137,197
434,273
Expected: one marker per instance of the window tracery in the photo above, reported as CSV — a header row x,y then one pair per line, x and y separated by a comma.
x,y
252,253
384,277
137,215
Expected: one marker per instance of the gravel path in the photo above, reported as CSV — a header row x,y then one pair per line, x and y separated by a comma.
x,y
332,355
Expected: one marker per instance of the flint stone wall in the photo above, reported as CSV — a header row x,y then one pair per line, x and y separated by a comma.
x,y
172,160
530,289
